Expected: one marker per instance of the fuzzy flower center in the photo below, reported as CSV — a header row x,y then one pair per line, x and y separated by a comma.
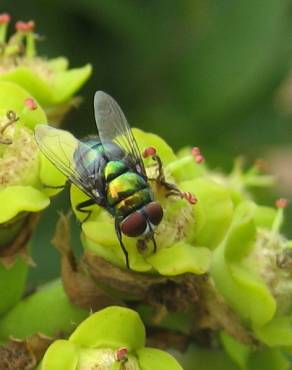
x,y
38,65
267,255
18,157
178,218
103,359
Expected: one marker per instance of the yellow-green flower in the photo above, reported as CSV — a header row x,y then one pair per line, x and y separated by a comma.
x,y
225,235
24,175
111,339
187,232
50,82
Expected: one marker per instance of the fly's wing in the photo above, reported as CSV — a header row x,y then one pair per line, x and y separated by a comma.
x,y
60,147
113,127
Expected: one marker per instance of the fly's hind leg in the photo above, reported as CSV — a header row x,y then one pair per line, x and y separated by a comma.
x,y
119,235
80,208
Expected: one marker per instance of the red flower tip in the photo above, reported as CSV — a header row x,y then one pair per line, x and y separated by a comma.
x,y
281,203
199,158
189,197
121,353
24,26
30,103
4,18
196,153
149,152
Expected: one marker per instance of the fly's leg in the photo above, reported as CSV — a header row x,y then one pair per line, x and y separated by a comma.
x,y
172,189
46,186
152,238
80,208
154,243
119,235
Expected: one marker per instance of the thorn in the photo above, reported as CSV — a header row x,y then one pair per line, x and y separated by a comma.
x,y
4,18
149,152
30,103
281,203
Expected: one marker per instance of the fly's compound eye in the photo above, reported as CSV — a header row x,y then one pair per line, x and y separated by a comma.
x,y
154,212
134,225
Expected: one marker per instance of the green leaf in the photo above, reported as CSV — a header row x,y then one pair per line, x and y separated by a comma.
x,y
50,176
17,199
181,258
152,358
268,359
30,81
199,358
66,83
244,291
277,332
12,284
48,311
112,327
265,216
61,355
52,89
213,212
147,139
237,351
12,97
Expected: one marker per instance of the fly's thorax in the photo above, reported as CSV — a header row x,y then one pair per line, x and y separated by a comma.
x,y
85,157
124,186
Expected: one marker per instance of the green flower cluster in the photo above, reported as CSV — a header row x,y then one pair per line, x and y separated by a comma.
x,y
31,87
50,82
234,242
111,339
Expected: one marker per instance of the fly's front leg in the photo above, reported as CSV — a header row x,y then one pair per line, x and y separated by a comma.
x,y
119,235
80,208
171,189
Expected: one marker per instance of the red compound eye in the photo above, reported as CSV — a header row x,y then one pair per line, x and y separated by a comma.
x,y
154,212
134,225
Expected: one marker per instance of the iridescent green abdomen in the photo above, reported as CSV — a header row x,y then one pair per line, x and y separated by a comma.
x,y
123,186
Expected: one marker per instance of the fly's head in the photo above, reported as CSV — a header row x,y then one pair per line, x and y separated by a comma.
x,y
142,222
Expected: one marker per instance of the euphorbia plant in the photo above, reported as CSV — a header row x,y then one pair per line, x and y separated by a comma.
x,y
49,81
111,339
219,282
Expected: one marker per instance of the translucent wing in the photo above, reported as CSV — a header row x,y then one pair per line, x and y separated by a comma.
x,y
60,147
113,127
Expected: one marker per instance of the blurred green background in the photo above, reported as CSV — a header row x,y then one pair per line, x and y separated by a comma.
x,y
214,74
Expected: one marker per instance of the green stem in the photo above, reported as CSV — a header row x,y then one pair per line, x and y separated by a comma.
x,y
30,50
3,32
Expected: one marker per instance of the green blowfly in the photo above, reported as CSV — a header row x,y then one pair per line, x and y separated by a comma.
x,y
109,169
